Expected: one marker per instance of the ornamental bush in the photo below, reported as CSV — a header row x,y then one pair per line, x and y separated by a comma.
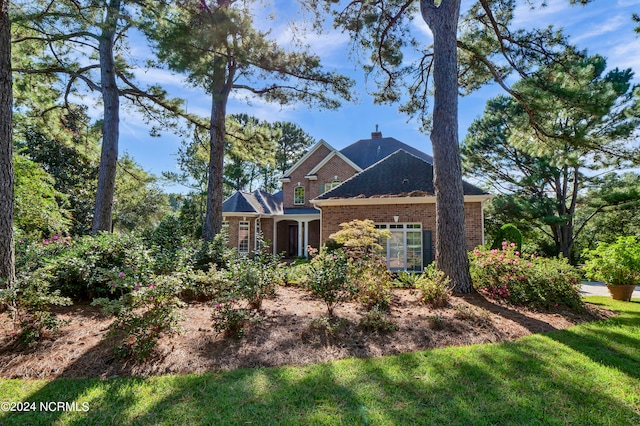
x,y
143,315
435,287
29,301
525,280
616,263
508,233
330,278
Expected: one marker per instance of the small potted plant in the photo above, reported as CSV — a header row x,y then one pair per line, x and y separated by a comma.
x,y
617,264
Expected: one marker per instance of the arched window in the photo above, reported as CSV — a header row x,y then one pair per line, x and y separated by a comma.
x,y
298,195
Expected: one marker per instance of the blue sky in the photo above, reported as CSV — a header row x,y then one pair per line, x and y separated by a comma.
x,y
603,27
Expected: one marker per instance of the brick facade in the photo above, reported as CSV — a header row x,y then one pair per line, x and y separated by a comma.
x,y
423,213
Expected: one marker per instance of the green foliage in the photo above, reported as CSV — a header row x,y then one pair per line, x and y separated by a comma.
x,y
29,300
231,318
359,240
139,201
525,280
143,315
89,266
170,249
508,233
377,319
330,279
615,263
38,207
435,287
405,279
245,283
577,124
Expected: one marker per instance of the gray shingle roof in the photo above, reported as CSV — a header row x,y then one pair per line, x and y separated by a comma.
x,y
399,174
366,152
253,202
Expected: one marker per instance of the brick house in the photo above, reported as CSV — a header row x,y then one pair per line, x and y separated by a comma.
x,y
381,179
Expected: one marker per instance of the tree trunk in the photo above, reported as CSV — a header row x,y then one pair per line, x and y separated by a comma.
x,y
102,218
220,93
7,256
451,247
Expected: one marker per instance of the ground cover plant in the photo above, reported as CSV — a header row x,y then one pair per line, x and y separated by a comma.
x,y
586,374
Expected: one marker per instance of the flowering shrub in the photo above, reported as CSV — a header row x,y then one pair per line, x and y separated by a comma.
x,y
330,278
144,314
522,279
29,302
435,287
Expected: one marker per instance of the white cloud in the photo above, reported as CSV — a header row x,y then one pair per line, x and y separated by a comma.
x,y
612,24
627,3
625,55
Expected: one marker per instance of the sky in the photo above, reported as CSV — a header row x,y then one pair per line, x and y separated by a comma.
x,y
603,27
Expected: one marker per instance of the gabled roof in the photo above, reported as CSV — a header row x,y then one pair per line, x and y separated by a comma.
x,y
366,152
309,153
400,174
257,202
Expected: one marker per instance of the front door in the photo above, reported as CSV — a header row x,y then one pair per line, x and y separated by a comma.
x,y
293,241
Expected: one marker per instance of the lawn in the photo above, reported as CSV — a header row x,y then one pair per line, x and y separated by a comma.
x,y
588,374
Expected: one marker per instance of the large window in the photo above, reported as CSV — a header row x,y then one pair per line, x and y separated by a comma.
x,y
243,237
298,195
404,248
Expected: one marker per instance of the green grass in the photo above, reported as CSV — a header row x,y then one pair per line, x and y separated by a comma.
x,y
589,374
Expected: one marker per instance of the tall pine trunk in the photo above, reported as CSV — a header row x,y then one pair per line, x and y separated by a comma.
x,y
102,218
219,96
7,256
451,250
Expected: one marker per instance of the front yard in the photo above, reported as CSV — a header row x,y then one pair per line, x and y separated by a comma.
x,y
587,374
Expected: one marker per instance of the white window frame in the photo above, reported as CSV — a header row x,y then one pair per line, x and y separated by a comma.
x,y
404,229
329,186
247,227
296,200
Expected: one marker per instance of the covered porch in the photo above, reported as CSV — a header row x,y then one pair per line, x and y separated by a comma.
x,y
294,232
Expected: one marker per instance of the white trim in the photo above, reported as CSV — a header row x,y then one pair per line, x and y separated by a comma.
x,y
429,199
311,177
285,179
305,157
326,159
248,224
295,195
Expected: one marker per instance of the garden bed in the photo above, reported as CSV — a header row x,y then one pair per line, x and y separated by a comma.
x,y
284,337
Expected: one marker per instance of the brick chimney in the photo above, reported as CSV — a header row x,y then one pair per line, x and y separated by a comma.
x,y
376,134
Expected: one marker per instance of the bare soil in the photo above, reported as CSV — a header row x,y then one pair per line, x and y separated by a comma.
x,y
286,336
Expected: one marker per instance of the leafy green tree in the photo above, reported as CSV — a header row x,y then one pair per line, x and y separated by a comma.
x,y
39,207
403,69
7,256
609,210
138,200
217,46
70,154
584,126
88,44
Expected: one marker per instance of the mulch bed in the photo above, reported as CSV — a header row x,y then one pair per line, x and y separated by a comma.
x,y
285,336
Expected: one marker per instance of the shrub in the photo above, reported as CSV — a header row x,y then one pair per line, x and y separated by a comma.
x,y
29,301
367,267
526,280
143,315
406,279
88,267
231,318
508,233
169,248
616,263
330,280
377,319
435,287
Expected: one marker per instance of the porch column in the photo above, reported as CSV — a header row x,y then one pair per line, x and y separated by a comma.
x,y
275,237
306,238
300,248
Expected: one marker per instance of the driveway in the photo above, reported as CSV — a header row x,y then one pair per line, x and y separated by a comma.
x,y
592,288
